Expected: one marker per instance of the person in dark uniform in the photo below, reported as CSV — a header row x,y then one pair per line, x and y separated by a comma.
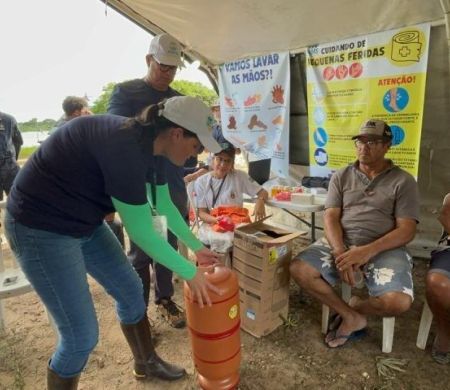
x,y
10,143
55,225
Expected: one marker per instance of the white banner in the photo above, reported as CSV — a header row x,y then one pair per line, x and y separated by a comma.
x,y
254,103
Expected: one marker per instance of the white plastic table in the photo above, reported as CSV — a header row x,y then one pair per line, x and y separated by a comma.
x,y
291,208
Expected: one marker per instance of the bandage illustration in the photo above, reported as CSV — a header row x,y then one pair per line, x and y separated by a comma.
x,y
406,46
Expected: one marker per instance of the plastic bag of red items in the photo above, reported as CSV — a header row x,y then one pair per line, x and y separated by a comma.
x,y
283,196
226,224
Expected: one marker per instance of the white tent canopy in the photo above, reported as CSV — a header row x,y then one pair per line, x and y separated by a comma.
x,y
217,31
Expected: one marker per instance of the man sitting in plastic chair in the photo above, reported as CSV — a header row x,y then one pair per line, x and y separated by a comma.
x,y
219,199
371,212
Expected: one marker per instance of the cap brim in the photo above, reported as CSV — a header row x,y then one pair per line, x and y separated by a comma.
x,y
370,136
170,60
209,142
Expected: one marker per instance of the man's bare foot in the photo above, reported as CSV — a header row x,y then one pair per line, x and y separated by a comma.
x,y
350,324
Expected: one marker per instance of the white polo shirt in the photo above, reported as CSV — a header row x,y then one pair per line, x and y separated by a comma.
x,y
235,185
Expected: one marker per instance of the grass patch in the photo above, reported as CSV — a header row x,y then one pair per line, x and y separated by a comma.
x,y
27,152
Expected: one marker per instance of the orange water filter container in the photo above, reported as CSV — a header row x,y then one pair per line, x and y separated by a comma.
x,y
215,332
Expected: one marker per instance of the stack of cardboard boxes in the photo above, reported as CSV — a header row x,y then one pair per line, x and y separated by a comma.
x,y
261,257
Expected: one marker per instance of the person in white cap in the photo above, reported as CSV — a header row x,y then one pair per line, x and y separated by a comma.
x,y
54,224
371,213
128,99
218,136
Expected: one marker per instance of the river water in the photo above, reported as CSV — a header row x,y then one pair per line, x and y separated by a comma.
x,y
33,138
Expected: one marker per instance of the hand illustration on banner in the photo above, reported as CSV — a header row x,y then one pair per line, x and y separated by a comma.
x,y
258,148
230,102
255,122
251,100
278,120
321,157
341,72
232,123
319,115
278,94
320,137
328,73
356,70
398,135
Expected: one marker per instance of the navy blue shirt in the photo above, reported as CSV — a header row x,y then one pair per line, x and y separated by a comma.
x,y
129,99
67,184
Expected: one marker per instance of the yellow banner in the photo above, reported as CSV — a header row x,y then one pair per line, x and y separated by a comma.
x,y
380,76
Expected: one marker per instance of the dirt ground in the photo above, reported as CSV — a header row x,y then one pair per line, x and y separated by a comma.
x,y
292,357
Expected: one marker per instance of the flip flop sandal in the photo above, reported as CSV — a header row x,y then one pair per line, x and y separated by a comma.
x,y
354,336
334,322
440,357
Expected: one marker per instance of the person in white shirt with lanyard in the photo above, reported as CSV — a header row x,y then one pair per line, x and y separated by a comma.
x,y
225,186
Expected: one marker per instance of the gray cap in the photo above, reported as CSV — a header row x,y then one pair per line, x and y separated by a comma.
x,y
374,128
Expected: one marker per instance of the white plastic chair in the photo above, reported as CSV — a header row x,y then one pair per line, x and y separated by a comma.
x,y
190,189
13,282
424,327
388,322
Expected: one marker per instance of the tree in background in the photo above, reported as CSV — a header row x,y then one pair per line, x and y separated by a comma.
x,y
100,106
188,88
35,125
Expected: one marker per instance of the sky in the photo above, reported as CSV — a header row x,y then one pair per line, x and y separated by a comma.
x,y
55,48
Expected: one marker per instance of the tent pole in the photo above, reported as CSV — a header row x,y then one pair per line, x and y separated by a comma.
x,y
445,4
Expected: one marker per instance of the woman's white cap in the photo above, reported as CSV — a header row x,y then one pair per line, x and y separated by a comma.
x,y
193,115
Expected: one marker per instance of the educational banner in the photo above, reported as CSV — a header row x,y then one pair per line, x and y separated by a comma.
x,y
379,76
254,104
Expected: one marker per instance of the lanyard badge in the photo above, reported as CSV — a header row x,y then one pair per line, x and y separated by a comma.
x,y
160,225
159,221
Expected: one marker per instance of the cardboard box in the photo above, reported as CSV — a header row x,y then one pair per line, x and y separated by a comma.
x,y
258,280
262,315
261,258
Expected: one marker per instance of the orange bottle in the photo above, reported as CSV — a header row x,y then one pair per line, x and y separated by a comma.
x,y
215,332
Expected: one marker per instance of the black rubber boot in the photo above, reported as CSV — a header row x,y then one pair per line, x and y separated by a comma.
x,y
146,362
55,382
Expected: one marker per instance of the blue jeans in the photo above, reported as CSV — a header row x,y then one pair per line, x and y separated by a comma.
x,y
57,267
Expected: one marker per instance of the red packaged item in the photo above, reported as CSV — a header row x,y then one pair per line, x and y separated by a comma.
x,y
234,214
283,196
226,224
